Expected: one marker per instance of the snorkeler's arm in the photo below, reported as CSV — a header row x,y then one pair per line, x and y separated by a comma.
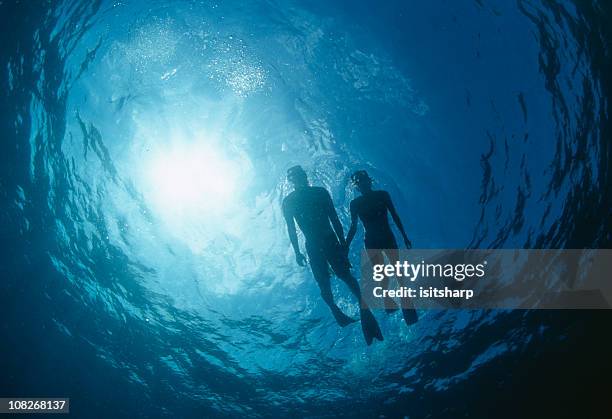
x,y
353,229
396,219
335,221
299,257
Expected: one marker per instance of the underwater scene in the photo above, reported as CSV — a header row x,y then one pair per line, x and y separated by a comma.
x,y
149,152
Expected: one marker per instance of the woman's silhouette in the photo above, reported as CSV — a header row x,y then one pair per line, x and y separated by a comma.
x,y
372,208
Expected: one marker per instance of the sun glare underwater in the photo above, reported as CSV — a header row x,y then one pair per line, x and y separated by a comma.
x,y
146,266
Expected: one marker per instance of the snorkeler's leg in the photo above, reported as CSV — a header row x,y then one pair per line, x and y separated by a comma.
x,y
376,258
408,311
341,266
320,270
369,326
341,318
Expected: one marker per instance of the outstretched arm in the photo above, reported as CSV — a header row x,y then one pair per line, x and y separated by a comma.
x,y
299,257
353,228
396,220
335,221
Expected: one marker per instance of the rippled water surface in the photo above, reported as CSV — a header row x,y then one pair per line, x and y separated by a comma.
x,y
146,270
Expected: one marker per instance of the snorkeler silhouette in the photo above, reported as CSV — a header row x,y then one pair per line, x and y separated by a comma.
x,y
372,208
313,210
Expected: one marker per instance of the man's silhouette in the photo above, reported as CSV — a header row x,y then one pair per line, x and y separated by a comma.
x,y
312,208
372,208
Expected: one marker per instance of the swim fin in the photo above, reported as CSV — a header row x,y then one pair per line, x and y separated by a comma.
x,y
410,316
370,327
390,306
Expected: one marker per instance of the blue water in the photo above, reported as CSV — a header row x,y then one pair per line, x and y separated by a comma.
x,y
146,271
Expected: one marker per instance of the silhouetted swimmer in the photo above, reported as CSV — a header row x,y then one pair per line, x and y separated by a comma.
x,y
312,208
372,208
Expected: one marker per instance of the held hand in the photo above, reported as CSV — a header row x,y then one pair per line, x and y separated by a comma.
x,y
408,243
300,259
